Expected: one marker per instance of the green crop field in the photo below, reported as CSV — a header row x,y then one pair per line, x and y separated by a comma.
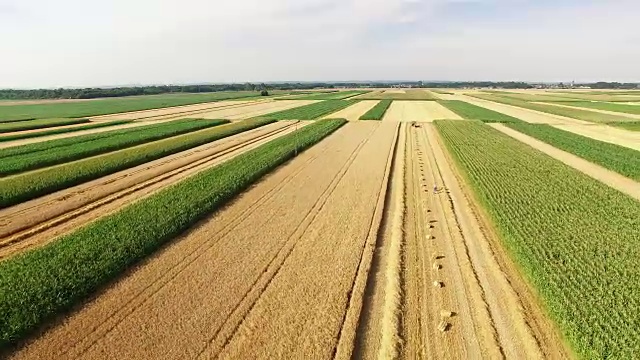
x,y
408,94
89,126
575,238
115,105
633,126
613,157
377,112
473,112
585,115
39,155
337,95
9,127
311,111
27,186
42,283
622,108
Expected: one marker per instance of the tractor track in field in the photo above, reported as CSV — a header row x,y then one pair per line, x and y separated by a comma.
x,y
36,222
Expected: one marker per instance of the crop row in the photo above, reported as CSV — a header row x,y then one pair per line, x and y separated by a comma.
x,y
613,157
114,105
585,115
473,112
377,112
575,238
627,125
311,111
8,127
40,155
46,281
48,132
27,186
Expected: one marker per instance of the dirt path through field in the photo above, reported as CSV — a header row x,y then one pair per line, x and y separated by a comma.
x,y
201,294
38,221
353,112
456,299
611,178
630,116
413,110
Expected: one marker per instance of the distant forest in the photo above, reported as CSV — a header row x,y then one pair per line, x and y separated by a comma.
x,y
92,93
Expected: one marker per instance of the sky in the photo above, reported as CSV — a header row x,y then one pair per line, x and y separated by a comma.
x,y
78,43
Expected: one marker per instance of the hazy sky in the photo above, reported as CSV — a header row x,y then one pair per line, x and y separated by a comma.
x,y
46,43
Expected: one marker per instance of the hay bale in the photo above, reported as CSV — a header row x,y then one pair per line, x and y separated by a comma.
x,y
443,326
446,313
437,266
438,284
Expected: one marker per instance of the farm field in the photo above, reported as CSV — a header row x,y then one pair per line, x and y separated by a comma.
x,y
631,111
114,105
261,228
334,95
398,94
578,257
615,135
353,112
427,111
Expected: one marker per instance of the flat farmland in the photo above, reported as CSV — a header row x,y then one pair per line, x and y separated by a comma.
x,y
353,112
114,105
424,111
398,94
256,228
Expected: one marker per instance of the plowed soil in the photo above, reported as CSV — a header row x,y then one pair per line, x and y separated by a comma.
x,y
425,111
611,178
38,221
353,112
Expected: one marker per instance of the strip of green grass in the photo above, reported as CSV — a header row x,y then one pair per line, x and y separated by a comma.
x,y
18,120
622,108
473,112
585,115
63,131
115,105
27,186
311,111
633,125
613,157
47,281
96,145
377,112
38,124
575,238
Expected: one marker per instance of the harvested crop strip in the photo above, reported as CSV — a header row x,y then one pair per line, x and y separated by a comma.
x,y
23,187
585,115
338,95
613,157
93,145
473,112
64,130
311,111
378,111
38,124
575,238
44,282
